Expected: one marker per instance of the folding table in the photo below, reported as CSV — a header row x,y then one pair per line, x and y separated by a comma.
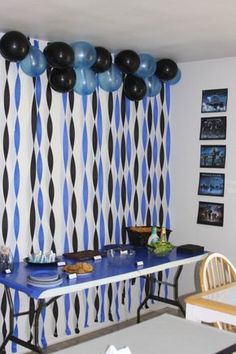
x,y
213,305
103,273
165,334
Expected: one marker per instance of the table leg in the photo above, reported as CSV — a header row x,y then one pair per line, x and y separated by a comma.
x,y
176,288
174,301
149,281
10,337
11,321
41,305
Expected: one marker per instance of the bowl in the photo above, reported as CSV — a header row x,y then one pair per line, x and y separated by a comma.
x,y
161,249
120,258
139,235
162,254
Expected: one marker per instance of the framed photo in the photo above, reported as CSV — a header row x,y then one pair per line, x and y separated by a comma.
x,y
212,184
213,128
214,100
210,213
212,156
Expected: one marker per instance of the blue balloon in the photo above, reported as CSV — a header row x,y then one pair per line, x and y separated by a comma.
x,y
176,79
85,81
110,80
85,55
147,66
153,86
34,63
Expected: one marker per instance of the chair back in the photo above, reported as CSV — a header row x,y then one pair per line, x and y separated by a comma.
x,y
215,271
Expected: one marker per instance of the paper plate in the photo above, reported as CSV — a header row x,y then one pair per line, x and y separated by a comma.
x,y
43,275
45,284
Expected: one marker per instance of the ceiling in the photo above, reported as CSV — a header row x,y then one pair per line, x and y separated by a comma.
x,y
183,30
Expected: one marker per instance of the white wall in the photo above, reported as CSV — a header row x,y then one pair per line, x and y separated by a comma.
x,y
185,126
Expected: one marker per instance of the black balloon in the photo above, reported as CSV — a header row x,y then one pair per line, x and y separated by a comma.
x,y
59,55
166,69
134,88
103,61
127,61
14,46
62,80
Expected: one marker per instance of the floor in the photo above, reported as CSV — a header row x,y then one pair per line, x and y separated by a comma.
x,y
83,338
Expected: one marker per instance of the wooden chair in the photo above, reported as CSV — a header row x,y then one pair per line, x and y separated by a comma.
x,y
215,271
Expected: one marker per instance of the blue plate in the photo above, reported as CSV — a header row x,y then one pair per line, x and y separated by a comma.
x,y
45,284
43,275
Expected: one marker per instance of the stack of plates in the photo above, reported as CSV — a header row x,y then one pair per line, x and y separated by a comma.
x,y
44,279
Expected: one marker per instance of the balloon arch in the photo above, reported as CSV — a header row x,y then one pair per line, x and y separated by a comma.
x,y
80,66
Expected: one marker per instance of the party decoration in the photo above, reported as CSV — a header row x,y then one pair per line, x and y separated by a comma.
x,y
176,79
111,79
85,55
103,61
134,88
85,81
147,66
14,46
59,55
127,61
166,69
34,63
80,65
153,85
62,80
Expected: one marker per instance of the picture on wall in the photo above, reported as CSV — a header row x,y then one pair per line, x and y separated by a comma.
x,y
210,213
212,184
214,100
213,156
213,128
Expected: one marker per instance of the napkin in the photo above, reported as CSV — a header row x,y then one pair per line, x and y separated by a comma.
x,y
112,350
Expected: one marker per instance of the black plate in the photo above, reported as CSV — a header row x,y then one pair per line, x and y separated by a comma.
x,y
26,260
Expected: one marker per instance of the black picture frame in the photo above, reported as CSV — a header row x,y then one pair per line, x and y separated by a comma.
x,y
214,100
213,128
210,213
212,156
211,184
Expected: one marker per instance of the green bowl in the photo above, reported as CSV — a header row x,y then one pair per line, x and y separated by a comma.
x,y
161,249
162,254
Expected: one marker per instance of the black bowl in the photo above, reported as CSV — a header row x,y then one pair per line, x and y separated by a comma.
x,y
139,235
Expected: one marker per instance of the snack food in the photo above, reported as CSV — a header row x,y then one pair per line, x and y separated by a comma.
x,y
161,248
78,268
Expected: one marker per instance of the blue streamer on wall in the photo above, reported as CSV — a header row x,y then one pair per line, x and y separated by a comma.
x,y
111,152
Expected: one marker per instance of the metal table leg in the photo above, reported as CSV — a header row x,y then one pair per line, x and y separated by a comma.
x,y
10,337
176,288
149,291
41,304
11,321
151,280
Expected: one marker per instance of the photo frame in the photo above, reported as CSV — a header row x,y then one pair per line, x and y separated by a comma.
x,y
212,156
210,213
213,128
214,100
211,184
